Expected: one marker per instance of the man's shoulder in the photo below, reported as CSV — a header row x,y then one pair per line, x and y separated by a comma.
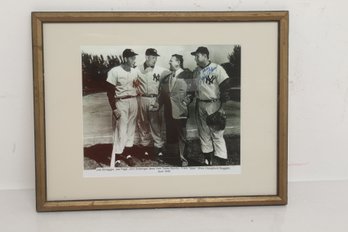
x,y
162,71
217,66
140,68
116,69
113,74
214,66
197,69
166,76
186,74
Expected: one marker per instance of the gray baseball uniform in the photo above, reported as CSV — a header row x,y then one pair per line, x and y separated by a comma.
x,y
208,80
149,122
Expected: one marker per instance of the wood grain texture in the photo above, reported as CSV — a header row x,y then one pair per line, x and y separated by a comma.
x,y
162,203
283,108
159,16
39,112
39,18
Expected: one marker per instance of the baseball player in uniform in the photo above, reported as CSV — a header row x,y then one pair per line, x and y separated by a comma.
x,y
149,122
122,98
211,79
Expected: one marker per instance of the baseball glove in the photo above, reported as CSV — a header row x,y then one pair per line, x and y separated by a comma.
x,y
217,120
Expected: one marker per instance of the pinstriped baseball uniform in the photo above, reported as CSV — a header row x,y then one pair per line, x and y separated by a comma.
x,y
208,80
124,127
149,123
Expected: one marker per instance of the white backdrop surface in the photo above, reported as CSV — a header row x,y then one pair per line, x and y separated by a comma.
x,y
318,81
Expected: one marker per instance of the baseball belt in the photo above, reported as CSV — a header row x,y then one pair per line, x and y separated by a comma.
x,y
209,101
149,95
125,97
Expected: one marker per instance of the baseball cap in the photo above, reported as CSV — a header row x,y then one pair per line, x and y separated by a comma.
x,y
202,50
151,52
128,53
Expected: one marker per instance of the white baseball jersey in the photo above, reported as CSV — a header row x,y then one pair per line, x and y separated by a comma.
x,y
149,78
208,80
123,81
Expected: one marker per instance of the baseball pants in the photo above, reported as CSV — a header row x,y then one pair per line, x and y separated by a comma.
x,y
124,127
211,140
149,123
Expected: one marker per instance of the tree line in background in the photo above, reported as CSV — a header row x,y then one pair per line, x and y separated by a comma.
x,y
96,67
232,67
94,71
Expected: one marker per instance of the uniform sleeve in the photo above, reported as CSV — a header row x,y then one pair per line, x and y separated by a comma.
x,y
111,80
112,77
222,75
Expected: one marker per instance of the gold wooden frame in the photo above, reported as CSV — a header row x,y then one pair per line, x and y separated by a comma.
x,y
39,18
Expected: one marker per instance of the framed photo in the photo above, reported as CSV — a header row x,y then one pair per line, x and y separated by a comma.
x,y
160,109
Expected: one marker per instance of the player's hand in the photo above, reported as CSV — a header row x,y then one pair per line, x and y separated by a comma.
x,y
136,83
186,100
116,113
154,107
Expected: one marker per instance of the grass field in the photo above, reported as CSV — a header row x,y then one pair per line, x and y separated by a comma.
x,y
98,135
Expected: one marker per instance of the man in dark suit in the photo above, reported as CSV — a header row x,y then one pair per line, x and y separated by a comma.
x,y
176,92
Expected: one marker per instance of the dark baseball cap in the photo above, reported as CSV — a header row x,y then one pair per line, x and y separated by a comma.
x,y
128,53
202,50
151,52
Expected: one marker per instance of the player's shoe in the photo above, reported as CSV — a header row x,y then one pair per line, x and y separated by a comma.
x,y
145,156
221,161
184,163
117,163
208,158
159,156
130,161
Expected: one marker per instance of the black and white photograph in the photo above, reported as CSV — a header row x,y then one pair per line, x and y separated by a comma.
x,y
161,108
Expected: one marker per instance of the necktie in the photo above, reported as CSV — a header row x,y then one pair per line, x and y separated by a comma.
x,y
172,81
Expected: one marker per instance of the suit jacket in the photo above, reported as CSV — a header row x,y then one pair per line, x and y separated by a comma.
x,y
174,98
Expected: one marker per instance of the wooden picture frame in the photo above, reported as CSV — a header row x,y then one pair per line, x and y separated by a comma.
x,y
47,122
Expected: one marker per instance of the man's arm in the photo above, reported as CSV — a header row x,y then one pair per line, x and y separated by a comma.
x,y
110,92
225,84
159,100
225,90
191,87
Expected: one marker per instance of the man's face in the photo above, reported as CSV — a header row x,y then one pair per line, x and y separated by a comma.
x,y
151,60
200,58
131,61
174,63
